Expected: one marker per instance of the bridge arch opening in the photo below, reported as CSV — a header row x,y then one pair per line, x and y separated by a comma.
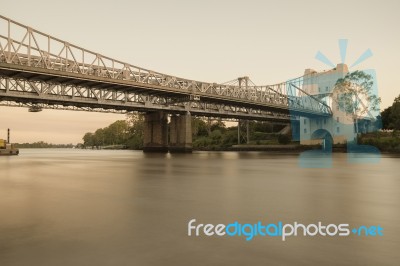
x,y
325,136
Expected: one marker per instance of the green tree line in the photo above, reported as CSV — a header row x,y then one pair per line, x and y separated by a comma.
x,y
128,132
42,144
391,115
213,134
207,134
386,141
216,135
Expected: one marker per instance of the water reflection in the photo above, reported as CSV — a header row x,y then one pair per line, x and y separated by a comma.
x,y
72,207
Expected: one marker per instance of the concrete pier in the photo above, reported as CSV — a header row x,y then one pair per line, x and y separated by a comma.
x,y
155,132
181,133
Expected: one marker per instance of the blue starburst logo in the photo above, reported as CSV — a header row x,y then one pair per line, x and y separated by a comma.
x,y
354,102
343,52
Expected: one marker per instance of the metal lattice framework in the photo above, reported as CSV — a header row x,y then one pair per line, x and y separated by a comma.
x,y
37,69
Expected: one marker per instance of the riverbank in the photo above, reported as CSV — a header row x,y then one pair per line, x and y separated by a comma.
x,y
289,148
384,141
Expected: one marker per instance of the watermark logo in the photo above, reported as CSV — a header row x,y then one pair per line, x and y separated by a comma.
x,y
280,230
352,97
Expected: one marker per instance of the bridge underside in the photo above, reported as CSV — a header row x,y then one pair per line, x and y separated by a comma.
x,y
26,89
55,86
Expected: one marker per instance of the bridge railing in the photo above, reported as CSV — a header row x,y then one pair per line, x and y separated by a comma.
x,y
22,45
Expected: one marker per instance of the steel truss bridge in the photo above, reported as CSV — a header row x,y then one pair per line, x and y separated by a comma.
x,y
40,71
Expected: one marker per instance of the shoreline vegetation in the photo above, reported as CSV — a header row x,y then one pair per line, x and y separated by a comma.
x,y
215,135
43,145
384,144
388,142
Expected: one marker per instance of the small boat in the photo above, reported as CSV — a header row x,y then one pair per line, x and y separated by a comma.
x,y
6,148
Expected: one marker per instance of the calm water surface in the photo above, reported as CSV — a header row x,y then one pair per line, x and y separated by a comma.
x,y
83,207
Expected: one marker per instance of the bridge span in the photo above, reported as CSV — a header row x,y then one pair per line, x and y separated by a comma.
x,y
40,71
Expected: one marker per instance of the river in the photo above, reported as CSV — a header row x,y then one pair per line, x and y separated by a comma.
x,y
89,207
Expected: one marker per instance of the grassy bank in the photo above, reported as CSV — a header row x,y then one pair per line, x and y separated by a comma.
x,y
384,141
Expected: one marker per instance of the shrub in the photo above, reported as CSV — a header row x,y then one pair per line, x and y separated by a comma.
x,y
283,139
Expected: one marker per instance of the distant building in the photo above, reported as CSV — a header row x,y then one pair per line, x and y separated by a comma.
x,y
340,127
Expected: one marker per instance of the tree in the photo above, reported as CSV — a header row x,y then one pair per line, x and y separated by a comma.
x,y
218,125
284,139
355,95
265,127
135,124
117,133
127,132
98,137
391,115
199,127
386,118
88,139
394,118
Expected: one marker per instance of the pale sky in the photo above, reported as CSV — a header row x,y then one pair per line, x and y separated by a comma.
x,y
213,41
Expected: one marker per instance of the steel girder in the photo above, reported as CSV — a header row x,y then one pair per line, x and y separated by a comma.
x,y
41,59
28,93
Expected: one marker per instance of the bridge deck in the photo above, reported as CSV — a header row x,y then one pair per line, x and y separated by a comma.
x,y
36,68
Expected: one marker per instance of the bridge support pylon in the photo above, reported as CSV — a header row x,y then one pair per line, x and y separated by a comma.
x,y
181,133
243,131
155,132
